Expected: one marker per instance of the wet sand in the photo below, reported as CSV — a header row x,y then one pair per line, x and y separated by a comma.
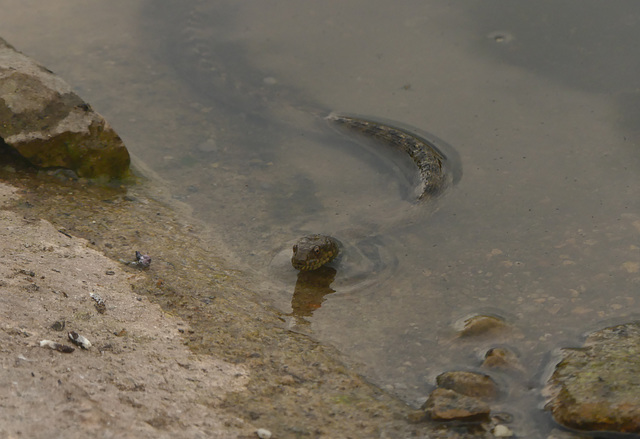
x,y
137,377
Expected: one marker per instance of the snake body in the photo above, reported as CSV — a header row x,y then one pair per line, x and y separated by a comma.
x,y
313,251
426,156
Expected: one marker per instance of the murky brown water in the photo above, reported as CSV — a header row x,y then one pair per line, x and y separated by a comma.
x,y
226,103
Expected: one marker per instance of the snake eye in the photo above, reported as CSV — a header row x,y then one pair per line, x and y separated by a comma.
x,y
316,250
295,248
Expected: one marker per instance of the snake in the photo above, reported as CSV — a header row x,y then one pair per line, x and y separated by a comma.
x,y
428,158
313,251
232,83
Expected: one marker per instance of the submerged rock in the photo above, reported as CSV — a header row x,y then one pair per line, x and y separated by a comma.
x,y
448,405
472,384
502,359
52,127
502,431
597,387
460,396
482,325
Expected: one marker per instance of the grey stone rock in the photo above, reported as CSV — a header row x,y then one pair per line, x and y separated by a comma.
x,y
52,127
597,387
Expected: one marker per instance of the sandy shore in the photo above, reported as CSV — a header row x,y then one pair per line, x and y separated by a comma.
x,y
138,379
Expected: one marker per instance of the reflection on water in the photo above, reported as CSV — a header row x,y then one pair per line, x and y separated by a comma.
x,y
227,103
310,291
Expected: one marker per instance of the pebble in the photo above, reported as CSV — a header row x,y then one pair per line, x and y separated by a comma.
x,y
502,431
79,340
58,325
56,346
448,405
143,260
481,325
503,359
472,384
263,433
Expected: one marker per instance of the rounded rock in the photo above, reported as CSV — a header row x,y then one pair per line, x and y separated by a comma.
x,y
263,433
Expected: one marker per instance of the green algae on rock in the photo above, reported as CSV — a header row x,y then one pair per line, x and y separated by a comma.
x,y
51,126
597,387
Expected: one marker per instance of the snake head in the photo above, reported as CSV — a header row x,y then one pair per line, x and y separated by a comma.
x,y
313,251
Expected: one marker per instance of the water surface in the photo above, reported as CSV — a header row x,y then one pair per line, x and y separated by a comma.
x,y
226,103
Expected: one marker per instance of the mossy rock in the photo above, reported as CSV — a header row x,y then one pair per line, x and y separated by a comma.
x,y
597,387
52,127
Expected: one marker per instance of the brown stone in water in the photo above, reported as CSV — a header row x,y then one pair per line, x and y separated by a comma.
x,y
448,405
51,126
597,387
417,416
472,384
480,325
503,359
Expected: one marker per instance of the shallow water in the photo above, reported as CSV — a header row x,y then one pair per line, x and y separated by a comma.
x,y
227,103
